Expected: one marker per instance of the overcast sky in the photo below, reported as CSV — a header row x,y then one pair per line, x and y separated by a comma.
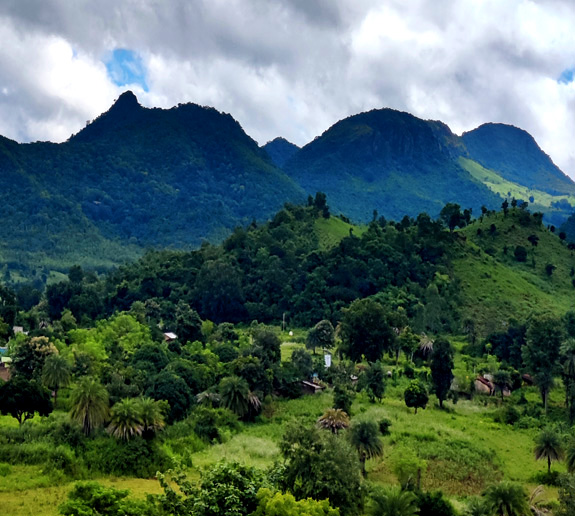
x,y
292,68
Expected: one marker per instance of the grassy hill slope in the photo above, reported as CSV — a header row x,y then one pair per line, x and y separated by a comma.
x,y
496,287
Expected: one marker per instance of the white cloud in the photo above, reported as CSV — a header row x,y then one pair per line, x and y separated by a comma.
x,y
294,67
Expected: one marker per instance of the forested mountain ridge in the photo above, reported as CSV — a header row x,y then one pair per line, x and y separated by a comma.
x,y
398,164
136,178
133,178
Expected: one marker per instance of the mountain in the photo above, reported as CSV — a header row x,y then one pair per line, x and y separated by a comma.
x,y
136,178
389,161
515,155
133,178
280,150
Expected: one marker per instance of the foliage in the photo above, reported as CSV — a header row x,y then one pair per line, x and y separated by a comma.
x,y
89,404
334,420
434,503
364,331
22,398
323,466
56,373
92,498
548,446
391,501
441,368
284,504
416,395
372,381
28,357
567,496
507,499
544,337
365,438
322,336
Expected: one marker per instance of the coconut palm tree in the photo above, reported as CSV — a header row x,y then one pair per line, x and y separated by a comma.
x,y
570,456
507,499
334,420
364,437
548,446
126,419
235,392
56,373
151,415
392,501
89,402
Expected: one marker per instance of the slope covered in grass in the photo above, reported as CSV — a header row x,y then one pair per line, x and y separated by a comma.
x,y
496,287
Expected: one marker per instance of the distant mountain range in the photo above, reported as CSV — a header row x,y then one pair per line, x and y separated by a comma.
x,y
136,178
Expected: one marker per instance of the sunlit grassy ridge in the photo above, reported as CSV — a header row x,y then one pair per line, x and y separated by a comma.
x,y
331,231
496,287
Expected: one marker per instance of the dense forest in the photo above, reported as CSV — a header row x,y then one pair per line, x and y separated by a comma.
x,y
286,371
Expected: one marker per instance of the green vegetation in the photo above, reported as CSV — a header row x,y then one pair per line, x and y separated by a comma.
x,y
218,408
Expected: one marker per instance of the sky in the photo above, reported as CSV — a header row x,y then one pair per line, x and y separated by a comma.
x,y
292,68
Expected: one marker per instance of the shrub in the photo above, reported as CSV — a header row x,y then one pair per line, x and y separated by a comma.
x,y
5,469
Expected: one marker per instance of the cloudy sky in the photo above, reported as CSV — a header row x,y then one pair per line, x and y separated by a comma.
x,y
292,68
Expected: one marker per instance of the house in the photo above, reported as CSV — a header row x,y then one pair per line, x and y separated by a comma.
x,y
169,337
310,387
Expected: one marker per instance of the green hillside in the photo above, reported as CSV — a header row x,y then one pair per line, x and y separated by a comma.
x,y
496,287
331,231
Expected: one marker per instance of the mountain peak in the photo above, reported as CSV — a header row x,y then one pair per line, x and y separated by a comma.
x,y
127,101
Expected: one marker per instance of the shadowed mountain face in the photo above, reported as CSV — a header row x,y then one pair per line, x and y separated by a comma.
x,y
515,155
280,150
136,177
389,161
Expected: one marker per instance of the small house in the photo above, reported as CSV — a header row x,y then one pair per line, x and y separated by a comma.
x,y
311,387
169,337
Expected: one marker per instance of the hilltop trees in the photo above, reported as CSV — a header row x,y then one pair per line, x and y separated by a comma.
x,y
541,352
365,331
441,368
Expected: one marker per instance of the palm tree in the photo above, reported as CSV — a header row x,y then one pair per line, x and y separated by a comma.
x,y
570,456
567,351
548,446
126,419
365,439
89,402
334,420
151,415
235,392
391,501
507,499
477,507
56,373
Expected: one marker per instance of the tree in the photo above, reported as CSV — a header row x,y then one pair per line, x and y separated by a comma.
x,y
89,402
188,323
56,374
441,368
152,416
364,437
22,398
520,253
343,398
322,335
451,216
373,381
416,395
29,356
567,353
434,504
267,346
173,389
548,446
567,496
541,351
391,501
126,419
235,395
280,504
302,363
321,465
502,381
333,420
570,455
507,499
92,498
365,331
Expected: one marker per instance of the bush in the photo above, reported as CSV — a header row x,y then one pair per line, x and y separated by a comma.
x,y
548,479
209,423
5,469
137,457
384,425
